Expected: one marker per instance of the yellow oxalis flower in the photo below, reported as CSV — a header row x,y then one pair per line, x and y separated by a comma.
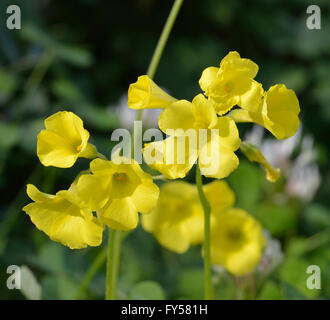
x,y
254,154
178,220
183,120
145,94
63,141
278,112
237,241
64,217
118,191
226,85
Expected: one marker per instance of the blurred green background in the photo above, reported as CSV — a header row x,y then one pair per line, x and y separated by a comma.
x,y
82,55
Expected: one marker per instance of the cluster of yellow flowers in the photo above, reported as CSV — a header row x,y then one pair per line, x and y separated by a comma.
x,y
116,191
177,222
113,192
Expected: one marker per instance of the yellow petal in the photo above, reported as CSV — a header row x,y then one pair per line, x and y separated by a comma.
x,y
167,160
173,238
233,61
220,167
280,111
229,135
204,114
216,157
254,154
89,152
77,232
219,195
145,94
177,116
120,214
226,86
252,99
69,126
62,220
63,141
54,150
177,221
207,79
236,241
36,195
95,190
145,196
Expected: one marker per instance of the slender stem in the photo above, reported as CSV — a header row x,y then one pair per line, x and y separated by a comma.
x,y
163,38
39,71
161,44
91,272
102,156
113,257
207,234
115,236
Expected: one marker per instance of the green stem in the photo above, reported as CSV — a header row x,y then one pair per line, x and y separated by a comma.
x,y
161,44
39,71
207,234
91,272
113,258
101,156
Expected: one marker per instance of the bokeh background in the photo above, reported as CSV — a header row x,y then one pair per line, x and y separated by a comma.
x,y
82,55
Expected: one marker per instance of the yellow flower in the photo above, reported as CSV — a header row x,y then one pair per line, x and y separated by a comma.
x,y
226,85
183,120
277,112
118,191
178,220
64,217
145,94
237,241
254,154
63,141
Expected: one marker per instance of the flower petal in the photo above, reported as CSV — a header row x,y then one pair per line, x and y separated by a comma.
x,y
177,116
145,94
233,61
219,195
208,77
54,150
120,214
145,196
68,126
254,154
163,156
64,222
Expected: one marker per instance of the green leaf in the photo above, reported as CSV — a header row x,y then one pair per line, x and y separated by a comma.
x,y
8,85
270,291
293,272
297,247
72,54
277,219
96,116
147,290
9,135
317,216
30,287
246,182
66,288
51,257
191,283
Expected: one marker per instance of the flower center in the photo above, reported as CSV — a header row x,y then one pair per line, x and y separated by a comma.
x,y
79,148
120,176
235,235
